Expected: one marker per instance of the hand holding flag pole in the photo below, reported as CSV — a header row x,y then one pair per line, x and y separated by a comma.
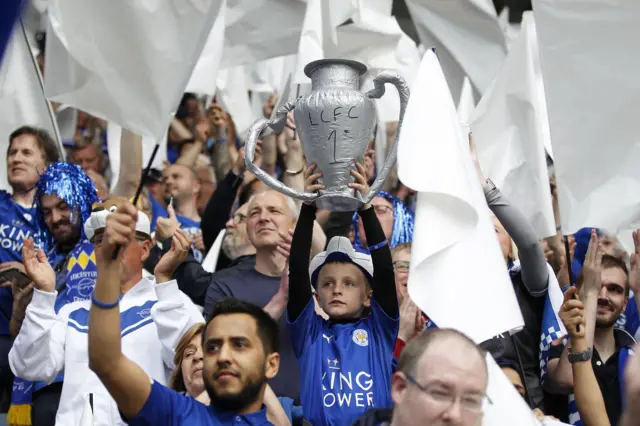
x,y
140,186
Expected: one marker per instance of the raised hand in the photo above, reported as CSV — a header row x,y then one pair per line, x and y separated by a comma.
x,y
572,314
198,241
10,265
166,226
360,183
173,258
37,267
203,129
284,245
408,314
592,267
474,158
634,272
311,178
120,230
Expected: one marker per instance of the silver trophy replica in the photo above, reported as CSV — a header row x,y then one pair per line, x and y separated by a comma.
x,y
335,124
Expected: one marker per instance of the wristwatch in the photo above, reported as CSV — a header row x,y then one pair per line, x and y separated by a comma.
x,y
580,356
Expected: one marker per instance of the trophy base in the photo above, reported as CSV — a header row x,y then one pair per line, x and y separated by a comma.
x,y
338,202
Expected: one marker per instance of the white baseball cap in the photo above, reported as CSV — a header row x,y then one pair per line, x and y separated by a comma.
x,y
98,220
340,249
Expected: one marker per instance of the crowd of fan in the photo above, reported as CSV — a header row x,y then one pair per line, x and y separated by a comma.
x,y
305,316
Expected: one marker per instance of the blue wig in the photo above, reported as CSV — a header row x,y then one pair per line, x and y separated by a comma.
x,y
402,223
69,183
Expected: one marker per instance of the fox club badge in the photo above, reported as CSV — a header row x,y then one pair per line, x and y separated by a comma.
x,y
361,337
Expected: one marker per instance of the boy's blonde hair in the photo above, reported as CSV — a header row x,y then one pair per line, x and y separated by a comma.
x,y
399,248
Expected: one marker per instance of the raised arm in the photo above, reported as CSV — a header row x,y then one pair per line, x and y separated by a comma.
x,y
174,313
127,383
130,171
300,291
383,283
38,351
585,386
189,155
535,274
560,378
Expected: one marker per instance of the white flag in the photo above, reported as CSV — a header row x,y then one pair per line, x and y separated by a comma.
x,y
86,419
467,37
317,39
593,96
233,95
114,134
126,61
376,40
466,105
458,275
203,78
261,29
22,100
510,128
507,407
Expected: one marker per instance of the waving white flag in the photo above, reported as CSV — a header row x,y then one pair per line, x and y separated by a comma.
x,y
127,61
593,95
203,78
511,129
22,100
318,38
261,29
458,276
467,37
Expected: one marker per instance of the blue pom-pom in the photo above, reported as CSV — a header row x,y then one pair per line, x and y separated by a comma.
x,y
69,183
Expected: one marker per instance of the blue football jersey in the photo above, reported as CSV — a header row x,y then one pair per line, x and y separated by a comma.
x,y
16,224
192,228
346,368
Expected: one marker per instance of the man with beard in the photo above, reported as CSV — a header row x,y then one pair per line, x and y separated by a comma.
x,y
604,290
240,345
64,198
152,318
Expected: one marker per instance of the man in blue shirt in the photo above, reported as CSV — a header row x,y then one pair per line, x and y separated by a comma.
x,y
30,151
182,186
240,345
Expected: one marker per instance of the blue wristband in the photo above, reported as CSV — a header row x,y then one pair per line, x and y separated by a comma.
x,y
103,305
377,246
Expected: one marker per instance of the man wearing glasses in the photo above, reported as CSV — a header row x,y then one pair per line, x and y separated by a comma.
x,y
441,379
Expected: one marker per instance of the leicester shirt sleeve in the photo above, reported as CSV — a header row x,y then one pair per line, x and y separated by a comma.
x,y
163,407
383,326
304,329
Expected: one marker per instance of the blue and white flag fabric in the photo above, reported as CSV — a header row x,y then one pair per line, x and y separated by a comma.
x,y
552,328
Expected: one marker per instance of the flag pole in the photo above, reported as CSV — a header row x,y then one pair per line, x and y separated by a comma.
x,y
52,117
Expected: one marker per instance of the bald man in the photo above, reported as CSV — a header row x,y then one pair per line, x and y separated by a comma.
x,y
183,187
441,379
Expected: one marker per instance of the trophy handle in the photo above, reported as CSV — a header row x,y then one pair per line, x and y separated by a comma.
x,y
376,93
250,150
